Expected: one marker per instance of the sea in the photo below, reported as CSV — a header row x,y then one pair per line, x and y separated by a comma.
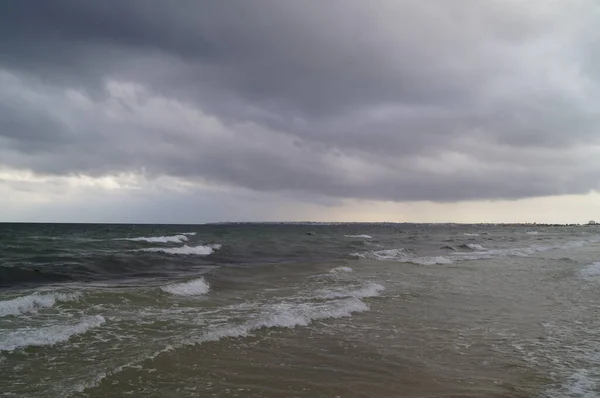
x,y
299,310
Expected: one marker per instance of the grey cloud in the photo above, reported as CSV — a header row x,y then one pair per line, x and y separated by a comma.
x,y
390,100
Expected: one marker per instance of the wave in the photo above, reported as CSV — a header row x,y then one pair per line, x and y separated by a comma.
x,y
27,337
258,315
532,232
194,287
479,253
188,233
591,271
470,234
13,276
388,254
33,302
371,289
161,239
341,269
359,236
200,250
431,260
403,256
580,384
287,315
472,246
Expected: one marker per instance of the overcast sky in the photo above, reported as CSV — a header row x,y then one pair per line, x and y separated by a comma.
x,y
201,111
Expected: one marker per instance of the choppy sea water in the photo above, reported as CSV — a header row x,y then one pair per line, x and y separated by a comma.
x,y
262,310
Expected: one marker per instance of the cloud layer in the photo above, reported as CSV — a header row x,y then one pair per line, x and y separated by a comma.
x,y
382,100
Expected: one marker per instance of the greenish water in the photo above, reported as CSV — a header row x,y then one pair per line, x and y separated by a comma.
x,y
303,310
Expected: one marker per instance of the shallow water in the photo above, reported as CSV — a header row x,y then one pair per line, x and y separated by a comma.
x,y
260,310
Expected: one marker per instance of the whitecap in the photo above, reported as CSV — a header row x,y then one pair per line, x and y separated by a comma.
x,y
432,260
359,236
33,302
194,287
403,256
470,234
388,254
580,384
474,246
288,315
160,239
201,250
341,269
50,335
371,289
591,271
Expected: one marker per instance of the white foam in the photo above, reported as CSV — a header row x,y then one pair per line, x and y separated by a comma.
x,y
33,302
201,250
591,271
288,315
388,254
532,232
341,269
188,233
371,289
580,384
480,253
469,234
28,337
161,239
474,246
432,260
403,256
190,288
359,236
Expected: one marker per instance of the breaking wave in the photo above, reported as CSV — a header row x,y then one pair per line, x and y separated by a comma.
x,y
162,239
479,253
431,260
359,236
250,317
388,254
371,289
591,271
201,250
341,269
33,302
28,337
287,315
473,246
190,288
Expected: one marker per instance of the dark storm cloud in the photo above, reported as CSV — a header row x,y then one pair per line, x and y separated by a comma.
x,y
394,100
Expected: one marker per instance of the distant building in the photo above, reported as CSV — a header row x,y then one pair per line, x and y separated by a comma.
x,y
592,222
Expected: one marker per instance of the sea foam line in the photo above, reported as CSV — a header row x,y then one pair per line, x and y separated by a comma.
x,y
33,302
46,336
359,236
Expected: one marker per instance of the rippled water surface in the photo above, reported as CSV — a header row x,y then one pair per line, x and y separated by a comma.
x,y
304,310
